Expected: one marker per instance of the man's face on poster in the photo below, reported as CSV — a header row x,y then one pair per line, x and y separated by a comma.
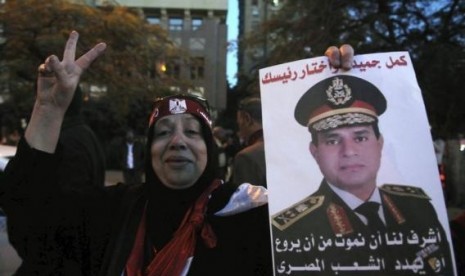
x,y
349,157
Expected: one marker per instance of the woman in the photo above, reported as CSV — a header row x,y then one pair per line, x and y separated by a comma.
x,y
182,221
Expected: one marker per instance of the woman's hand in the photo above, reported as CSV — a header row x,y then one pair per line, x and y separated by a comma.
x,y
58,80
56,84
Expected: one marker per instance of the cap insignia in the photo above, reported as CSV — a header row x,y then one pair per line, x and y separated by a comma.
x,y
178,106
342,120
338,93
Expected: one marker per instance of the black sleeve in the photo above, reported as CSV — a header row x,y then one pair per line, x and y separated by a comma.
x,y
221,196
27,197
50,226
243,246
25,178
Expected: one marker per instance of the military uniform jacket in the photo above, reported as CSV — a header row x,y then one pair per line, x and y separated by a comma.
x,y
321,235
56,232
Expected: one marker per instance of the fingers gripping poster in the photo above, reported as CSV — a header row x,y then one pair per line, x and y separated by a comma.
x,y
353,184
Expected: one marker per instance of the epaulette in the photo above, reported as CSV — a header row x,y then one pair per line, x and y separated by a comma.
x,y
404,190
287,217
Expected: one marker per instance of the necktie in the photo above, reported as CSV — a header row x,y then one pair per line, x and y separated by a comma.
x,y
370,211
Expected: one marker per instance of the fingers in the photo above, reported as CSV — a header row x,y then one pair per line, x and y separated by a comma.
x,y
53,67
347,56
43,72
341,57
48,68
70,49
334,56
86,60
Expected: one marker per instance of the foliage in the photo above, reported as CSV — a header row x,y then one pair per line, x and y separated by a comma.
x,y
432,31
35,29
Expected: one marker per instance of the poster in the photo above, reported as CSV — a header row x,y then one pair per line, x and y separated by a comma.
x,y
314,230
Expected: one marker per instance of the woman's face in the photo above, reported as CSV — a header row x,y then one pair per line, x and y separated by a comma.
x,y
178,150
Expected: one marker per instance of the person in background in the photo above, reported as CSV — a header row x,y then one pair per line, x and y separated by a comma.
x,y
457,228
181,221
132,159
219,134
83,156
439,149
249,163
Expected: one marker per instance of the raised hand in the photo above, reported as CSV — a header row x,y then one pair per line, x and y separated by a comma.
x,y
56,84
58,80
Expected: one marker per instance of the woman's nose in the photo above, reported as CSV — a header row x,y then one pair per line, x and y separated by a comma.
x,y
177,141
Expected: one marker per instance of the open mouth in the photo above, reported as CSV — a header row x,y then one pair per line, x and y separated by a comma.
x,y
177,162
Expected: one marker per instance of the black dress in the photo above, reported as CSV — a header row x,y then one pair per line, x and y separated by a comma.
x,y
91,233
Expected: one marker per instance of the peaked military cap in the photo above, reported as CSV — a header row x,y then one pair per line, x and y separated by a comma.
x,y
339,101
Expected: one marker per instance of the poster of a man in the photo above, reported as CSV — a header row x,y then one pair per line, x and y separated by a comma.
x,y
345,215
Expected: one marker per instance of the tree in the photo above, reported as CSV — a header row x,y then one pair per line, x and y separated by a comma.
x,y
432,31
125,75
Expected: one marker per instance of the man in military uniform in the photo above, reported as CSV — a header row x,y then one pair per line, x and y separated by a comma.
x,y
350,225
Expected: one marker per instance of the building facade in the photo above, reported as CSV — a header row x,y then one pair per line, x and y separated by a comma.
x,y
198,27
252,14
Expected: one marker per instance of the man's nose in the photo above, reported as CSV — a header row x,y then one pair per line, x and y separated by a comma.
x,y
349,147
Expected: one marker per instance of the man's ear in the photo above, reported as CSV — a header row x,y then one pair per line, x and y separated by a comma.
x,y
241,115
313,150
247,118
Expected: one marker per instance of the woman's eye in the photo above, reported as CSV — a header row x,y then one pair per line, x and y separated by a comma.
x,y
192,131
161,132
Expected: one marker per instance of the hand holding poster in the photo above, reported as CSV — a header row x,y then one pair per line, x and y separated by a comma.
x,y
352,177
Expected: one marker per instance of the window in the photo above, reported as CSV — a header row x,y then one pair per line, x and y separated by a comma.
x,y
173,70
197,43
175,24
153,20
197,68
196,23
255,11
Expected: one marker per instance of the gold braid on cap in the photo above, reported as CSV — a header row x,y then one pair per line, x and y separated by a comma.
x,y
342,120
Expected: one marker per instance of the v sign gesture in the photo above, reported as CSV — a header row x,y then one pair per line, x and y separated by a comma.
x,y
56,84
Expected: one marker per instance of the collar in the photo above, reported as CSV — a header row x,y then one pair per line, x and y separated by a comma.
x,y
255,137
353,201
